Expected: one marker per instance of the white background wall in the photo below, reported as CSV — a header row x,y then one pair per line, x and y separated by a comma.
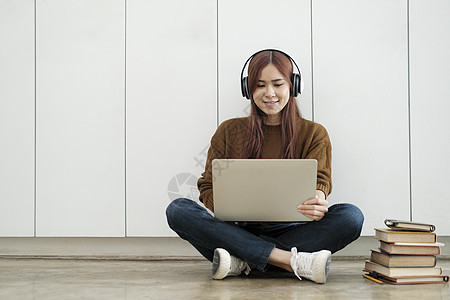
x,y
361,97
107,107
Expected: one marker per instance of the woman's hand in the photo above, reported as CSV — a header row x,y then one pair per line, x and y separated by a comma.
x,y
314,208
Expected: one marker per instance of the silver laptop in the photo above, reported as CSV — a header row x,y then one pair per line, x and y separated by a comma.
x,y
266,190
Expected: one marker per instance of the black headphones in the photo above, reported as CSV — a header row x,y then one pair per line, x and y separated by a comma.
x,y
296,79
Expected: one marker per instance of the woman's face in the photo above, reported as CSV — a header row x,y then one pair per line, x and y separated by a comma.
x,y
271,94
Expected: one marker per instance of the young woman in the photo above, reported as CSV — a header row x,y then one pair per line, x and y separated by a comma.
x,y
274,129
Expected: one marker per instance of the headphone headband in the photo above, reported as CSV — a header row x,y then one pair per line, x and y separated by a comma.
x,y
296,80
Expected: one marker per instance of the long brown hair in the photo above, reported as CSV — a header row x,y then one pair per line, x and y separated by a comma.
x,y
289,115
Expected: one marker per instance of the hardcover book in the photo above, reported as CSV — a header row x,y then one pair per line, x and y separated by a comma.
x,y
399,272
406,225
394,260
393,236
411,248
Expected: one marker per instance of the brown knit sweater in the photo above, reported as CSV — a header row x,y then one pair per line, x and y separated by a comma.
x,y
228,142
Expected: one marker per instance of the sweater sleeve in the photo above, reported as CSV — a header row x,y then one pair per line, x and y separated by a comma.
x,y
204,183
320,149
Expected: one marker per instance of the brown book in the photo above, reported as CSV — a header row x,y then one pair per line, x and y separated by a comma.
x,y
407,225
411,279
411,248
399,272
394,236
395,260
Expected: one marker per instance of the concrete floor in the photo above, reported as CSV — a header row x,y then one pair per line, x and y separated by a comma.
x,y
94,279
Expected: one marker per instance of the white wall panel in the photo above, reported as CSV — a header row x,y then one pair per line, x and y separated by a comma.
x,y
17,118
80,118
430,107
171,105
177,52
246,27
360,84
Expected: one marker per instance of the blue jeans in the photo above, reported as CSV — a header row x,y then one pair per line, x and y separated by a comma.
x,y
254,242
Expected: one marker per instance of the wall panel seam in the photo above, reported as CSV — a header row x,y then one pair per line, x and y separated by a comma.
x,y
125,119
409,110
35,128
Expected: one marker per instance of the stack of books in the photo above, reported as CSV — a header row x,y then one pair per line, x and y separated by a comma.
x,y
407,254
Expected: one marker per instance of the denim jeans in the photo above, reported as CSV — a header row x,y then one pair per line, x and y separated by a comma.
x,y
254,242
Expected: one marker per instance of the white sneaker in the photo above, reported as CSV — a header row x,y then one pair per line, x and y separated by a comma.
x,y
225,265
312,266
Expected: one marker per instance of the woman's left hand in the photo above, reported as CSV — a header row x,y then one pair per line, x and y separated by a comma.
x,y
314,208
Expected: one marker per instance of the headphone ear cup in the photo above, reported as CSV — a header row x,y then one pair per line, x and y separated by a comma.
x,y
244,87
297,84
300,83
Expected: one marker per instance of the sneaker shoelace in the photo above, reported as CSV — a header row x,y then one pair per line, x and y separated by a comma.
x,y
302,264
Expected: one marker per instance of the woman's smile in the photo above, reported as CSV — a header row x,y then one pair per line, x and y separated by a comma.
x,y
270,103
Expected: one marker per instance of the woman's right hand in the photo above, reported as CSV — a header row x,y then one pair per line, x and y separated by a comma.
x,y
314,208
